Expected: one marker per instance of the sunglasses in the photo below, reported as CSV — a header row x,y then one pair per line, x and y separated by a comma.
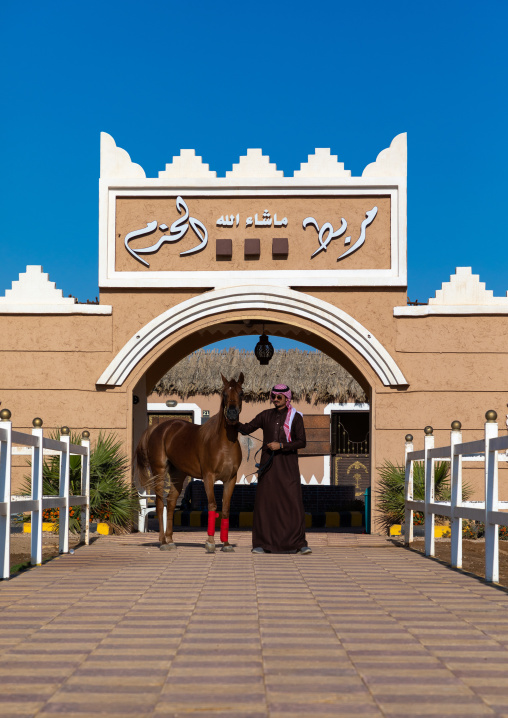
x,y
278,396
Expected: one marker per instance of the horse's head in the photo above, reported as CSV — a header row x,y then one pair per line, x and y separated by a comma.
x,y
232,393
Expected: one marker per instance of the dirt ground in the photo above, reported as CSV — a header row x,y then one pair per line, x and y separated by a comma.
x,y
473,556
20,546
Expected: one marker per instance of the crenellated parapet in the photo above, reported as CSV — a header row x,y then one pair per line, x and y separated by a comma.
x,y
463,294
390,162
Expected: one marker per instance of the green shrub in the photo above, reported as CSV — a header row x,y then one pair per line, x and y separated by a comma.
x,y
112,499
390,491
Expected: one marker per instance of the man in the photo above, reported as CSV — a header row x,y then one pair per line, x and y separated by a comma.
x,y
279,517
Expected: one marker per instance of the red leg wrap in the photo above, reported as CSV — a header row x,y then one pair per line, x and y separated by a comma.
x,y
212,515
224,529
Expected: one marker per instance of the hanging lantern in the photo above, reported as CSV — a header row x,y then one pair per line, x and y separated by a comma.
x,y
263,349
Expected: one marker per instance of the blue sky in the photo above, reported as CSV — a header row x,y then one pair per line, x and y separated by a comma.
x,y
283,76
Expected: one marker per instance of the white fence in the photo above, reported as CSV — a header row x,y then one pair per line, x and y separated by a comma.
x,y
37,503
491,511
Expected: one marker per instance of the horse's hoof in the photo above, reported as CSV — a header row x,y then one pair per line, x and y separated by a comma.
x,y
228,548
209,547
168,546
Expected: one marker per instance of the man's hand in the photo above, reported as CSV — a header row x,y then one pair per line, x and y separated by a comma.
x,y
273,446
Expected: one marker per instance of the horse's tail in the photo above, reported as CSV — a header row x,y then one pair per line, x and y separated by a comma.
x,y
142,473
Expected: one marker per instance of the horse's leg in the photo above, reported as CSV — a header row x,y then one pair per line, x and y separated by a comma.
x,y
159,475
212,513
159,509
226,503
175,489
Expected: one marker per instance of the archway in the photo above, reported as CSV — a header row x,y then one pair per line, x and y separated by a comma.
x,y
171,336
244,301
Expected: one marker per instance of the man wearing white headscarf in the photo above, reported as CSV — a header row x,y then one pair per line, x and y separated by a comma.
x,y
279,516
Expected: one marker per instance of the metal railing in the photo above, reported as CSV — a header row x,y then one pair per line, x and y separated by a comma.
x,y
342,444
37,503
490,511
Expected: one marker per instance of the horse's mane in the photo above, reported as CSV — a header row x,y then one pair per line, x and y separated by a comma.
x,y
212,425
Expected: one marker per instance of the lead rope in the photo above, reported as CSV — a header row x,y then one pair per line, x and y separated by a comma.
x,y
261,467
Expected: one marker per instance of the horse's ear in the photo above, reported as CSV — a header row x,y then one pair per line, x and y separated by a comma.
x,y
241,378
224,380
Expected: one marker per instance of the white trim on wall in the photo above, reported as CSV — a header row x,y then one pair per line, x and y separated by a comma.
x,y
350,406
448,309
96,309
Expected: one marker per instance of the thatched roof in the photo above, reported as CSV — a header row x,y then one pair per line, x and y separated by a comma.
x,y
312,376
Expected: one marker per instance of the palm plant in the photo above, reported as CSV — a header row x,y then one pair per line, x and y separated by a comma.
x,y
390,490
112,499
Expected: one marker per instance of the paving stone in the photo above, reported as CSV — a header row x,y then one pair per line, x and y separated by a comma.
x,y
361,628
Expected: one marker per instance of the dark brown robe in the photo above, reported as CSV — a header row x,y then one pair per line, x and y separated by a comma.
x,y
279,517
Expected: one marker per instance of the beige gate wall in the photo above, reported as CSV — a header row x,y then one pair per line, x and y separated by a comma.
x,y
453,353
55,360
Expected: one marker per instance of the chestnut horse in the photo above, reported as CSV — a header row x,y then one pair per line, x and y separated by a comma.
x,y
177,449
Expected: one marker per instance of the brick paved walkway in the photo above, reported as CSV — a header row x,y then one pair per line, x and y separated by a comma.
x,y
360,628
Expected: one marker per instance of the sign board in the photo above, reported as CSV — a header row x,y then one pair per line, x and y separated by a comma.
x,y
213,232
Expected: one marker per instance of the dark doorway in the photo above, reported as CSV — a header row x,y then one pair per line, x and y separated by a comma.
x,y
350,450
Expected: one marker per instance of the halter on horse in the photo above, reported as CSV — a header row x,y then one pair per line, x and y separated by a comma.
x,y
177,449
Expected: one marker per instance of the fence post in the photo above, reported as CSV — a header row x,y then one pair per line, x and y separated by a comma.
x,y
408,493
64,491
37,491
456,494
5,494
367,500
85,488
142,519
428,469
491,501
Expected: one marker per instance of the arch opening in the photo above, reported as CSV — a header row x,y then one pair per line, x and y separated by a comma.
x,y
230,312
324,466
